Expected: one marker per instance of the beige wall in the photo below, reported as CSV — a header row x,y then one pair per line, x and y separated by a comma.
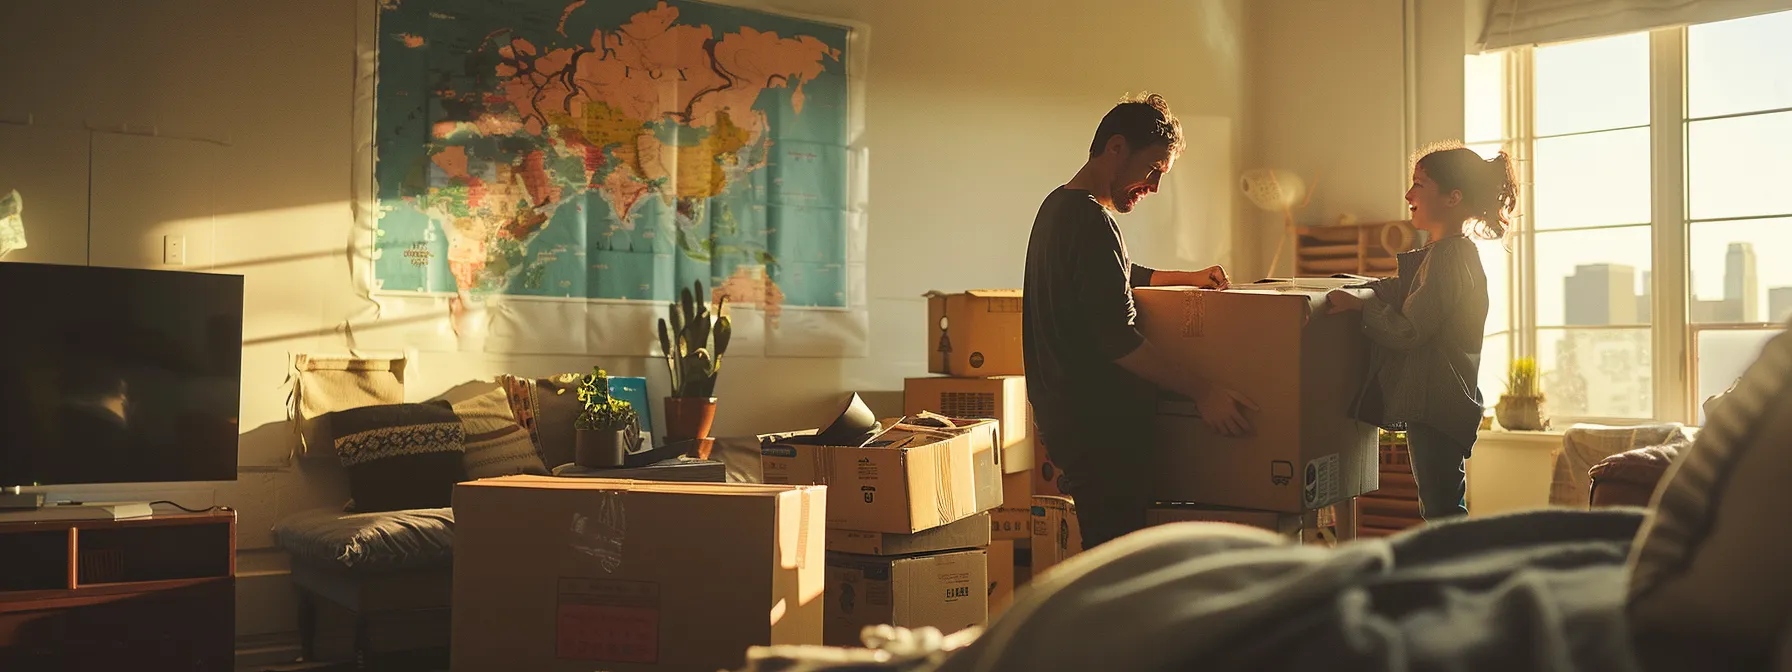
x,y
974,111
1332,98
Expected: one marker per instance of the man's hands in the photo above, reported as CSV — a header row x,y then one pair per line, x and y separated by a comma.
x,y
1212,277
1343,300
1220,409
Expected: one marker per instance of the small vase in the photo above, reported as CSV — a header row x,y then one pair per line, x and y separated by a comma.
x,y
1523,414
689,417
605,448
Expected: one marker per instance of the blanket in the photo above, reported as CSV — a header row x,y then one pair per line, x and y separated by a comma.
x,y
1536,590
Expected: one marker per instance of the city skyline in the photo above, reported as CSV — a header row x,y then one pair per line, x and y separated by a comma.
x,y
1605,294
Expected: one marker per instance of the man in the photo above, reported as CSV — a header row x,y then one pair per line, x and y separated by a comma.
x,y
1091,377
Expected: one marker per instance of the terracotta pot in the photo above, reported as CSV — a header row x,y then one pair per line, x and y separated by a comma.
x,y
689,417
1524,414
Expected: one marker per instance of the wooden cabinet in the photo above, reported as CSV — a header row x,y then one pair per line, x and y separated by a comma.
x,y
145,593
1358,249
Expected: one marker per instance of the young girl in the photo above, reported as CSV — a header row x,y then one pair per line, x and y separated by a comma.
x,y
1425,326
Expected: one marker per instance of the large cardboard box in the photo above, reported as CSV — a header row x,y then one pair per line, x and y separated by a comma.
x,y
906,481
1003,399
1056,534
1013,519
1045,473
586,573
1001,577
949,591
1285,524
1276,344
975,333
1320,527
972,532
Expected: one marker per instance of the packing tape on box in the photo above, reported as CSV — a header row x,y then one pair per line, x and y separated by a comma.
x,y
1194,314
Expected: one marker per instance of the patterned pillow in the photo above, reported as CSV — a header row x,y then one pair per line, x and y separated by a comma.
x,y
547,408
400,456
1707,568
496,444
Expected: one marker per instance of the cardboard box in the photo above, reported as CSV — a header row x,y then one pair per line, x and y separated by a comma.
x,y
1001,577
587,573
1003,399
1045,473
1056,534
949,591
972,532
975,333
1320,527
883,488
1013,519
1276,344
1285,524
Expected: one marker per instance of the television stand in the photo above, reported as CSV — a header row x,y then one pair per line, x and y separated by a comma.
x,y
155,592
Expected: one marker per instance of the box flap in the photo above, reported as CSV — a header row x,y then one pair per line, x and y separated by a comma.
x,y
994,293
629,485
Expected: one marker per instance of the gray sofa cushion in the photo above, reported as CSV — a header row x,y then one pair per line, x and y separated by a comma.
x,y
370,542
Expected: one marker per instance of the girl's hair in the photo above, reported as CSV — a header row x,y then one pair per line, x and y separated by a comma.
x,y
1489,187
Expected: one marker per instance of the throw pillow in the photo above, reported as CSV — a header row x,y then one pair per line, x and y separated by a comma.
x,y
1707,566
547,408
400,456
321,385
496,444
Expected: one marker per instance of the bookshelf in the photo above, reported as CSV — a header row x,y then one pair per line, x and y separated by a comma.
x,y
1355,248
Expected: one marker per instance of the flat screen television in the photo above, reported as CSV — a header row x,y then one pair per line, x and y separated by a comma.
x,y
115,375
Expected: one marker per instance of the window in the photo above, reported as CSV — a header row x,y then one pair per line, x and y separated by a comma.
x,y
1657,211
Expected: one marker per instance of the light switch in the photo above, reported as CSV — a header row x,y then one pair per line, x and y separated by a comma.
x,y
174,250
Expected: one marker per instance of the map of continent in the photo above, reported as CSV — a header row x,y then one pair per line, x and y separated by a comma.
x,y
617,150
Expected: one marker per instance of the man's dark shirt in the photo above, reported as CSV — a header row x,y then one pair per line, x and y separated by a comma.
x,y
1077,319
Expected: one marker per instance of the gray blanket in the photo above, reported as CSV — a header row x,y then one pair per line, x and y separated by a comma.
x,y
1541,590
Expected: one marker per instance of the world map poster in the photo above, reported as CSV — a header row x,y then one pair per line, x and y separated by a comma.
x,y
569,166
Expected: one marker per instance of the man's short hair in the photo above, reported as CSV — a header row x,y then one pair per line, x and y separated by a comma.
x,y
1144,120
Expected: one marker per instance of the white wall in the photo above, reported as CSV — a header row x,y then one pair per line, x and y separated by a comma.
x,y
1330,88
974,111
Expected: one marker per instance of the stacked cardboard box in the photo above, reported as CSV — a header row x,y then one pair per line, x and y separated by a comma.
x,y
632,575
936,577
1395,506
908,524
974,347
1276,343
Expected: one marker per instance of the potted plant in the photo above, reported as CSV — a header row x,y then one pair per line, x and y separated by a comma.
x,y
607,427
693,341
1521,407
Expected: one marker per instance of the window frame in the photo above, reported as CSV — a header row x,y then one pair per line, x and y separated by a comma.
x,y
1673,336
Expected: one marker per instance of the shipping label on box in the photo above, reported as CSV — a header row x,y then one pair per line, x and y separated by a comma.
x,y
975,333
1304,369
1013,520
949,591
1056,533
610,574
907,480
1003,399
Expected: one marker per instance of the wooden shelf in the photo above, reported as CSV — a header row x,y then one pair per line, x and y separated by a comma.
x,y
1354,249
142,593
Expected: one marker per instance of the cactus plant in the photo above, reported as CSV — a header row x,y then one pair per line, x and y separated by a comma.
x,y
601,411
694,340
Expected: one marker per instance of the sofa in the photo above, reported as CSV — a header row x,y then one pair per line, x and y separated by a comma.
x,y
388,554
